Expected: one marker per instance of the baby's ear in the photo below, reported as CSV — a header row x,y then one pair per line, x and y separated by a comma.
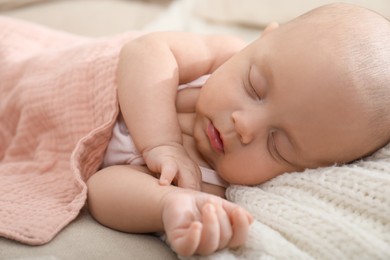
x,y
270,27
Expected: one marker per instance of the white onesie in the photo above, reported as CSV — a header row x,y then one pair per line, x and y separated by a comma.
x,y
121,148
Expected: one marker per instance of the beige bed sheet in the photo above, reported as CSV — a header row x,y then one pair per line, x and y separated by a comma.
x,y
86,239
86,17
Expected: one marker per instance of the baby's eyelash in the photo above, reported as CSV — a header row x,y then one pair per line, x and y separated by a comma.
x,y
272,148
254,91
275,151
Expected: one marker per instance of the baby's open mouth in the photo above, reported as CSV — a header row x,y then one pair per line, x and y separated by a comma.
x,y
214,138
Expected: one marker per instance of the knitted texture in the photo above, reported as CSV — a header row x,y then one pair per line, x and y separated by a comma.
x,y
58,106
338,212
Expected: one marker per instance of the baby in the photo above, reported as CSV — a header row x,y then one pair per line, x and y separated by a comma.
x,y
309,93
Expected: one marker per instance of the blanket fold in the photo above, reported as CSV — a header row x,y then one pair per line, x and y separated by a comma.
x,y
58,106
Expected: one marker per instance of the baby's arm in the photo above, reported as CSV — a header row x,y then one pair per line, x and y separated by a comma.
x,y
150,69
128,199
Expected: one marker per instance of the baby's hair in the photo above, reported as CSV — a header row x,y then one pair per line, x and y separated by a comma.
x,y
360,37
370,51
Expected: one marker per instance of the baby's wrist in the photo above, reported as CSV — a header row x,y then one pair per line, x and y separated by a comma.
x,y
168,145
171,195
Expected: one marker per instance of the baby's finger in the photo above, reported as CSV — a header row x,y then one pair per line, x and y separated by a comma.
x,y
209,242
230,207
240,223
226,231
168,173
186,243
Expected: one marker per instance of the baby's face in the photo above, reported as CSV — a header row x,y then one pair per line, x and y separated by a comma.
x,y
278,106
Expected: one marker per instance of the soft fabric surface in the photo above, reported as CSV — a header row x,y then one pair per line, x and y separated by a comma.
x,y
327,213
262,12
58,105
10,4
94,18
86,239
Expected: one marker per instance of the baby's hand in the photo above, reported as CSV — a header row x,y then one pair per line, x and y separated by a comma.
x,y
173,164
200,223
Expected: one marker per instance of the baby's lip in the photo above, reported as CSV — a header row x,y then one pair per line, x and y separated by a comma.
x,y
215,138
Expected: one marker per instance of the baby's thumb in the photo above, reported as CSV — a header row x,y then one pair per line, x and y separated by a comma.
x,y
168,173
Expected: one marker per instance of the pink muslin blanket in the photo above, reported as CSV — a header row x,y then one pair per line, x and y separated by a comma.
x,y
57,108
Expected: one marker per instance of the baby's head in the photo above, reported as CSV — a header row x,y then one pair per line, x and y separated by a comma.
x,y
312,92
345,52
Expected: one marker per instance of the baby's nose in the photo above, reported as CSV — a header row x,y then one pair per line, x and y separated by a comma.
x,y
246,125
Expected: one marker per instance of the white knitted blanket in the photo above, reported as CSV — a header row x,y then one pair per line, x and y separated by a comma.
x,y
338,212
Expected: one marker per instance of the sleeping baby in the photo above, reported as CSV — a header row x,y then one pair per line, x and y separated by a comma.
x,y
201,112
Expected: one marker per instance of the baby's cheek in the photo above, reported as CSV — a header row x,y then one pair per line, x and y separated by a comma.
x,y
247,170
233,171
